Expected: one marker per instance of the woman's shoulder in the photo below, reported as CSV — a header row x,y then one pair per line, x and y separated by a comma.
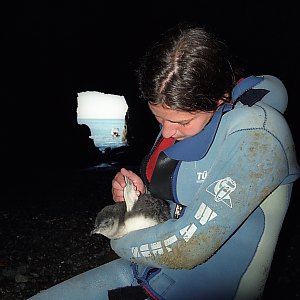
x,y
259,115
266,89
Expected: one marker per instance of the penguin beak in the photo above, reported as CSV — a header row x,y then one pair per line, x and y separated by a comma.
x,y
96,230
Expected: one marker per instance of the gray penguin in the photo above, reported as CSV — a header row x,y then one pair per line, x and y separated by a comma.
x,y
120,218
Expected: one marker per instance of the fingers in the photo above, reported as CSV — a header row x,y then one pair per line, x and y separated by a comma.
x,y
118,184
136,179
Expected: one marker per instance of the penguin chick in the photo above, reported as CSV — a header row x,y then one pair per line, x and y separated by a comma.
x,y
120,218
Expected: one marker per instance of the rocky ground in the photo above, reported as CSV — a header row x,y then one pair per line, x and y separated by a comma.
x,y
45,223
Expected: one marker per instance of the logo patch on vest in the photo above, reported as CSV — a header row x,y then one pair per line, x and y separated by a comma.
x,y
221,190
201,176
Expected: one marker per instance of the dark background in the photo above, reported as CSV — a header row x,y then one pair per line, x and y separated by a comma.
x,y
52,51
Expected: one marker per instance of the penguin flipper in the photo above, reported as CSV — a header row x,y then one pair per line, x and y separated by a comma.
x,y
130,195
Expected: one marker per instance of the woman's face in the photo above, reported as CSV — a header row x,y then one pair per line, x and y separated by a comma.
x,y
179,124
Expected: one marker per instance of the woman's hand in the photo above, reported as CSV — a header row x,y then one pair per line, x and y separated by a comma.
x,y
118,184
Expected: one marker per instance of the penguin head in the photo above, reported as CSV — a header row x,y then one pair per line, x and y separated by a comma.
x,y
110,220
106,221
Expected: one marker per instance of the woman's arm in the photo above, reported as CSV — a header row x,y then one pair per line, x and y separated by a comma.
x,y
248,167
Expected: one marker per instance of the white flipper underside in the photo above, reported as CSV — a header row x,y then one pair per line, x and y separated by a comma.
x,y
130,195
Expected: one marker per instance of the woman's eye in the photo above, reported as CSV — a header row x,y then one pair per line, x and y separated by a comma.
x,y
185,124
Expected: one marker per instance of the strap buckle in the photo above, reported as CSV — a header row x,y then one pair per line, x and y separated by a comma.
x,y
178,211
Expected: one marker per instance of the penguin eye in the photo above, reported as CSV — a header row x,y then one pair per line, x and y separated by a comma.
x,y
108,221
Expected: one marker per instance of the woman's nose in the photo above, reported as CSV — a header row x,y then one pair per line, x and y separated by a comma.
x,y
168,130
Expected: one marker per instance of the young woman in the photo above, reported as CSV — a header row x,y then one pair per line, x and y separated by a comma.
x,y
224,159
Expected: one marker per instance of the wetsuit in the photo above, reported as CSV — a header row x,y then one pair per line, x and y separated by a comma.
x,y
229,187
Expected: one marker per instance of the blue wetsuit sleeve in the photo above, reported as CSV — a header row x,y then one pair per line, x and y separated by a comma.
x,y
243,171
